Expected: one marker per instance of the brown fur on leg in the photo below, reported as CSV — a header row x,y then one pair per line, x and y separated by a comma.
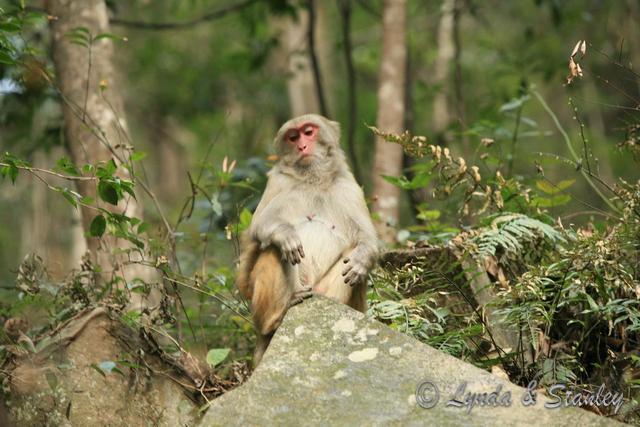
x,y
271,292
248,257
262,342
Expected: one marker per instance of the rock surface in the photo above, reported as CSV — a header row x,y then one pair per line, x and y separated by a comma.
x,y
331,365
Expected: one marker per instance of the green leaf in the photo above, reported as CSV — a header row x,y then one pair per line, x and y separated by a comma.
x,y
128,188
428,215
514,104
144,226
108,192
549,188
592,304
69,196
245,218
65,165
563,185
136,156
545,187
111,166
106,169
10,170
81,30
98,226
550,202
110,37
10,27
5,58
216,356
420,180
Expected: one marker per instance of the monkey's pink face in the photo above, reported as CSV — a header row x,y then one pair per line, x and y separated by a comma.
x,y
303,139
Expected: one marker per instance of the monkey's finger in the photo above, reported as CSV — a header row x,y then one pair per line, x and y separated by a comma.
x,y
288,258
351,279
301,251
347,270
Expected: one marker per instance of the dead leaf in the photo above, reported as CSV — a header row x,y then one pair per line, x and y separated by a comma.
x,y
499,372
487,142
574,67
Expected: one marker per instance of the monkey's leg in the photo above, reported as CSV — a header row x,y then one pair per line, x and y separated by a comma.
x,y
273,294
332,285
262,342
358,300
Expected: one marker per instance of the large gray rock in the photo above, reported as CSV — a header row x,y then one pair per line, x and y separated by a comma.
x,y
330,365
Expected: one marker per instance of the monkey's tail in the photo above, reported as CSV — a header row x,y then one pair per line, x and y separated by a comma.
x,y
248,258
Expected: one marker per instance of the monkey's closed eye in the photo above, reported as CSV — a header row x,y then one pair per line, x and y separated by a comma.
x,y
293,136
308,131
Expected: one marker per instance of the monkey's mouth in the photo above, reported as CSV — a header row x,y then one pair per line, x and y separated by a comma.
x,y
306,158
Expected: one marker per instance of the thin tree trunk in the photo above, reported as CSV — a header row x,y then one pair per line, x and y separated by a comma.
x,y
95,125
35,236
51,228
390,118
418,195
441,117
345,14
293,59
460,107
313,56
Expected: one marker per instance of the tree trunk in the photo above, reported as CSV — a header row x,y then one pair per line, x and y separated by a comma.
x,y
292,58
458,83
95,125
441,117
390,118
51,228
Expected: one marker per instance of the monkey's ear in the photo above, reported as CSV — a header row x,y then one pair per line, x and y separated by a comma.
x,y
335,130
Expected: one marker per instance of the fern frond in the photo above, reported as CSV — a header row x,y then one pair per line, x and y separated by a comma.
x,y
512,232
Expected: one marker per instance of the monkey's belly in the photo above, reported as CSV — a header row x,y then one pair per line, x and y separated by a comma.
x,y
323,245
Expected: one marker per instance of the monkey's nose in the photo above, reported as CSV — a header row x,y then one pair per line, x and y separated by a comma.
x,y
302,147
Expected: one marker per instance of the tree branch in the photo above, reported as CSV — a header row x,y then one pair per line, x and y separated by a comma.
x,y
59,175
161,26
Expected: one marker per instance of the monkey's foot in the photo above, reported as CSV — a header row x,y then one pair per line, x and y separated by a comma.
x,y
300,295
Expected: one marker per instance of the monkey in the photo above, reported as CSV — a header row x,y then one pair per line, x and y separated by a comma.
x,y
311,232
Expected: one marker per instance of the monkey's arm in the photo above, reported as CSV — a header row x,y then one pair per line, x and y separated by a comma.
x,y
365,253
270,225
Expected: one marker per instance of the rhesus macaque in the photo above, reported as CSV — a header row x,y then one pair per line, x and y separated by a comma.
x,y
311,232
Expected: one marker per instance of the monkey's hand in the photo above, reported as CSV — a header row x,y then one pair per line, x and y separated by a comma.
x,y
356,270
287,240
